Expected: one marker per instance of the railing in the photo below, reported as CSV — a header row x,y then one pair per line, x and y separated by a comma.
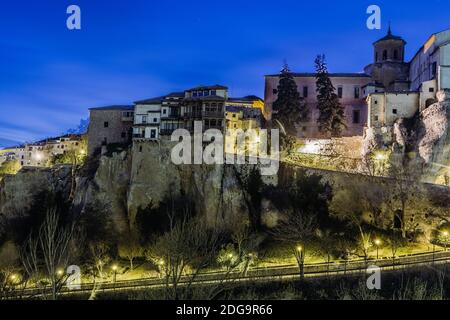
x,y
213,114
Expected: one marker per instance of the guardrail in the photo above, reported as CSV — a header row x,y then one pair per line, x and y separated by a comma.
x,y
268,273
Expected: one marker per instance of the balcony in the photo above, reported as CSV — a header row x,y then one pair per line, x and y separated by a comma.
x,y
213,114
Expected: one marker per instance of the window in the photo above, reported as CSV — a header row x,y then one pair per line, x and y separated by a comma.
x,y
376,102
356,116
155,120
144,119
153,134
106,124
206,93
434,69
200,94
164,111
395,55
340,92
140,148
305,92
394,111
123,134
385,55
376,56
275,91
194,94
376,118
213,92
357,92
431,89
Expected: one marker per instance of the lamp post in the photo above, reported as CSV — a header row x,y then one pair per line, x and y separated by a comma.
x,y
300,256
114,268
377,244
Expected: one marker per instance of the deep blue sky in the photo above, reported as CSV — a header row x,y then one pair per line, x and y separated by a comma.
x,y
129,50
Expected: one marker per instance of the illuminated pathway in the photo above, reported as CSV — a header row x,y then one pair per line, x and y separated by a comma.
x,y
274,274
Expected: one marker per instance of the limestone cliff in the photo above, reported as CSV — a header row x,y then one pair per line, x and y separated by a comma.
x,y
423,140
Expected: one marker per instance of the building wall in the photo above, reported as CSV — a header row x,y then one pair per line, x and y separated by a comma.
x,y
118,129
351,104
386,108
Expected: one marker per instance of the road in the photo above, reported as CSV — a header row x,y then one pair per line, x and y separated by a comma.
x,y
276,273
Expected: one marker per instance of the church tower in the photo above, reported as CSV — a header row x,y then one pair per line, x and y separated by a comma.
x,y
389,69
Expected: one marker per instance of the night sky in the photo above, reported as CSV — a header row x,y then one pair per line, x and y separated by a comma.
x,y
136,49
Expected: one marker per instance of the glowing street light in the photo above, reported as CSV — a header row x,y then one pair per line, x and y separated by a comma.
x,y
114,268
60,272
299,248
377,244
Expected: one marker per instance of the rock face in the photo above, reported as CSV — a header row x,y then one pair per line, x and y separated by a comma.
x,y
107,188
18,192
216,189
433,144
425,139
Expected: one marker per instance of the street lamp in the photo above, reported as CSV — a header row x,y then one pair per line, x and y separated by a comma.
x,y
60,272
114,268
377,244
445,238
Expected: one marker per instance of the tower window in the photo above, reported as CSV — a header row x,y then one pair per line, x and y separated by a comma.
x,y
305,92
357,92
385,55
395,54
340,92
376,56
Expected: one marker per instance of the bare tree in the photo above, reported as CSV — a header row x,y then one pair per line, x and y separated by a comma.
x,y
100,256
183,253
130,248
402,189
46,252
298,230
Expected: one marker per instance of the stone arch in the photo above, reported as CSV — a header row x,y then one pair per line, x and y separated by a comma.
x,y
429,102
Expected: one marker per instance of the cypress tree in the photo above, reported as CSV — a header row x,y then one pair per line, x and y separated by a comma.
x,y
331,113
289,108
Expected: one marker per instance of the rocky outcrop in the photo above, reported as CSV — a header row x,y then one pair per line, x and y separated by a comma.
x,y
17,192
215,189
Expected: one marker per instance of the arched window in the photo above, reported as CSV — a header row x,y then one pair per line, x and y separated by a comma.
x,y
385,55
395,54
376,56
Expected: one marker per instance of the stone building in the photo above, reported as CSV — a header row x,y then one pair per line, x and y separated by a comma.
x,y
349,88
206,104
109,125
416,85
389,69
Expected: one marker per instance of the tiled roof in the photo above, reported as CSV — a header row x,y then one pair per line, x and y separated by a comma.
x,y
155,100
332,75
206,98
390,36
246,99
115,107
213,87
